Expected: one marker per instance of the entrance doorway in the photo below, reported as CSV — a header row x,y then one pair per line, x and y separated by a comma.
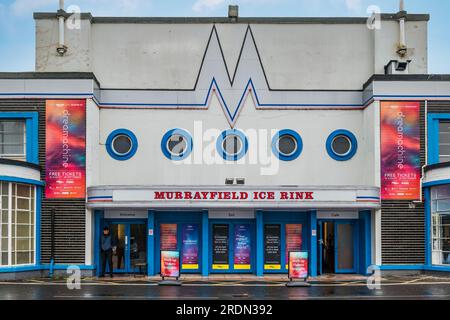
x,y
131,250
232,246
337,247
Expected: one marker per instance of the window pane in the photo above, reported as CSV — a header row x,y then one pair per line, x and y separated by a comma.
x,y
4,258
23,257
23,231
443,205
23,244
23,190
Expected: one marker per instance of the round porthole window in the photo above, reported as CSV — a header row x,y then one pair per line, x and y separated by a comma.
x,y
121,144
342,145
287,145
232,144
176,144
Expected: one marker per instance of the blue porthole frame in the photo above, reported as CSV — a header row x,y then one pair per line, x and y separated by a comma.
x,y
129,154
353,147
189,143
298,139
225,155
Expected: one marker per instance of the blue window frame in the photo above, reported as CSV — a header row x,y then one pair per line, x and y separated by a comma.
x,y
240,152
31,132
353,145
121,133
434,120
298,145
183,138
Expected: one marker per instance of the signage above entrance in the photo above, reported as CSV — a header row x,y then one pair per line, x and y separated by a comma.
x,y
241,197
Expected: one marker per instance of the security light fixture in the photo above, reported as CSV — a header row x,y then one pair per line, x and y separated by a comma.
x,y
229,181
240,181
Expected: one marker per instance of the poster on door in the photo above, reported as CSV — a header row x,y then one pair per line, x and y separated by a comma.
x,y
400,151
220,247
272,247
298,265
168,236
189,236
65,149
242,249
293,239
170,264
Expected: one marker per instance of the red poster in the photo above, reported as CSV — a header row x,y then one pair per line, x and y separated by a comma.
x,y
293,239
168,236
298,265
400,151
65,149
170,264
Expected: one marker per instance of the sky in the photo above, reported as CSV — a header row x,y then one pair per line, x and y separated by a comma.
x,y
17,34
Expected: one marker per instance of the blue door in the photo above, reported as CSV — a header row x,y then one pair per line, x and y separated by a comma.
x,y
131,248
346,246
232,246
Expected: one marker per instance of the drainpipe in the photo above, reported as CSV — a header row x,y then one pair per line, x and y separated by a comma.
x,y
402,48
52,242
62,48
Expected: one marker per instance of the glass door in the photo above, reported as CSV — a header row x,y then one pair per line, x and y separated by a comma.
x,y
345,247
232,247
120,236
131,246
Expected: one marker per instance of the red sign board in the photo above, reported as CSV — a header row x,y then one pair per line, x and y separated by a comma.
x,y
170,264
65,149
298,265
400,151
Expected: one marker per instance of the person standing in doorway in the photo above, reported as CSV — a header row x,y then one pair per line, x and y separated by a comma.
x,y
106,246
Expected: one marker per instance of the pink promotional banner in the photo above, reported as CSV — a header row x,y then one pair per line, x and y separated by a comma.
x,y
65,149
400,151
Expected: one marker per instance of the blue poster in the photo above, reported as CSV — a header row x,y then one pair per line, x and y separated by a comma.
x,y
189,234
242,249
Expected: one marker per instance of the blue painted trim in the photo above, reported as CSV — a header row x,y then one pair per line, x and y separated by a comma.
x,y
298,139
313,244
222,152
43,267
189,144
433,120
151,243
402,267
31,128
37,221
353,149
259,243
110,139
205,236
428,230
437,268
99,197
365,240
98,216
22,180
374,198
436,183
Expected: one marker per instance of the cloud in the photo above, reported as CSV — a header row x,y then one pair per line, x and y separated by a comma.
x,y
20,8
353,5
207,5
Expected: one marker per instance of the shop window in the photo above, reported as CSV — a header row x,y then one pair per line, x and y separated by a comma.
x,y
121,144
440,207
13,139
176,144
17,232
341,145
444,141
232,145
287,145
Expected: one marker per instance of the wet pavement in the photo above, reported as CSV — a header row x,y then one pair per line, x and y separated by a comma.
x,y
415,288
